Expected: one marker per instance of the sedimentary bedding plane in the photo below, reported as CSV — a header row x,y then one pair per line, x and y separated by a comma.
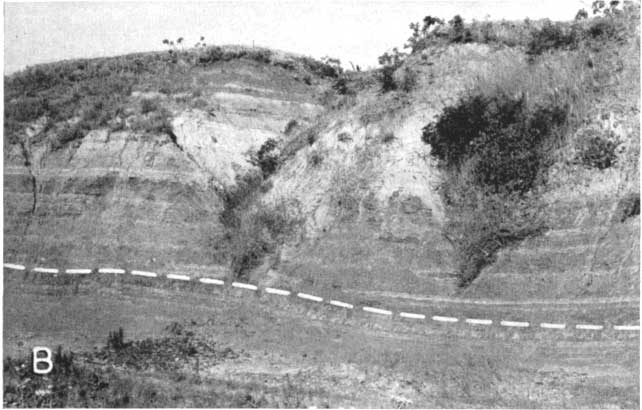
x,y
415,316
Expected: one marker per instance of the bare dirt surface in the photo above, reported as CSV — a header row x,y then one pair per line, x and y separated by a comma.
x,y
252,349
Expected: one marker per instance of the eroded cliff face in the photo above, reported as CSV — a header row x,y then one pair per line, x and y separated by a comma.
x,y
373,215
375,218
138,199
363,181
591,247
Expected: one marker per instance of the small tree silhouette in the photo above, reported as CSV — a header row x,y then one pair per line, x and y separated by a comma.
x,y
116,339
581,15
200,43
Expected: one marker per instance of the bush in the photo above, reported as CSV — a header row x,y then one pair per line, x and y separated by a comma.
x,y
211,55
480,223
69,133
421,36
388,137
262,56
285,64
267,160
148,105
27,109
390,62
319,68
259,232
341,86
157,122
551,36
494,151
311,136
458,33
238,198
63,362
315,158
503,141
627,207
607,29
290,126
406,79
98,113
214,54
596,151
116,340
386,79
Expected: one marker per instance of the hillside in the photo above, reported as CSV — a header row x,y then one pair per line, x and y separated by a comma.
x,y
142,159
118,179
244,227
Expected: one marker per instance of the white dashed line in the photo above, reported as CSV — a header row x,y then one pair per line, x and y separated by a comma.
x,y
278,291
377,311
627,327
341,304
78,271
510,323
445,319
244,286
14,266
143,273
412,315
309,297
283,292
178,277
111,270
211,281
552,325
589,327
45,270
479,321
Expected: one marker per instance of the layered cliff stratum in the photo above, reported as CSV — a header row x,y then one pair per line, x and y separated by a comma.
x,y
286,171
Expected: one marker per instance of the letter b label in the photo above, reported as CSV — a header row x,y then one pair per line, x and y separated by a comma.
x,y
46,360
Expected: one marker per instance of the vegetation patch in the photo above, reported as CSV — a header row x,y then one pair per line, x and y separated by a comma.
x,y
627,207
612,21
148,105
315,158
267,158
156,122
494,151
259,231
254,230
290,126
347,191
110,376
98,91
93,91
596,150
344,137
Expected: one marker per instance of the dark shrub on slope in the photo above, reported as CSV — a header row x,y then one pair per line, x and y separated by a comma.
x,y
494,151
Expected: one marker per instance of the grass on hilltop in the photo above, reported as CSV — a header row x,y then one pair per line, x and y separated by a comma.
x,y
79,95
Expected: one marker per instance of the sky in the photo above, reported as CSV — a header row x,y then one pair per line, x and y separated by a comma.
x,y
354,31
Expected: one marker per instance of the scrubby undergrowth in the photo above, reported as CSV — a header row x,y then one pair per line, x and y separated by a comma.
x,y
162,372
80,95
254,230
494,151
496,144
